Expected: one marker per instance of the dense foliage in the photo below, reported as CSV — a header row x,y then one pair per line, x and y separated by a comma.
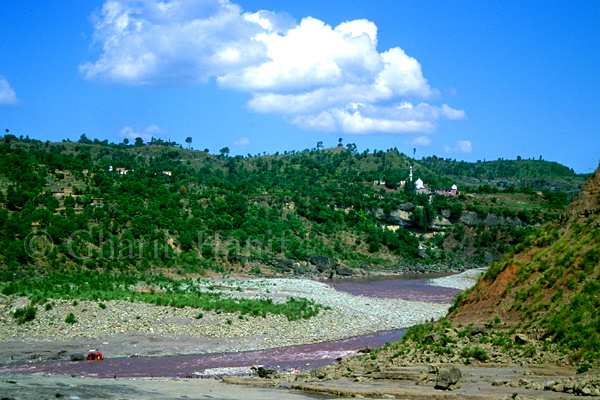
x,y
142,207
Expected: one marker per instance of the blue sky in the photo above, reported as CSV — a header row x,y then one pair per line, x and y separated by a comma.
x,y
466,80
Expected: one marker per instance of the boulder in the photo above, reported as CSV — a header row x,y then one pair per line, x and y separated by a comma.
x,y
549,385
476,331
319,373
521,338
267,373
432,338
323,264
447,378
342,270
451,333
302,376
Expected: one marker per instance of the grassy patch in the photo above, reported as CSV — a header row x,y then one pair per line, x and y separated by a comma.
x,y
474,352
70,319
102,286
25,314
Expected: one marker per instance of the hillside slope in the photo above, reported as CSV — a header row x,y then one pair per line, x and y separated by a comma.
x,y
106,206
539,305
551,283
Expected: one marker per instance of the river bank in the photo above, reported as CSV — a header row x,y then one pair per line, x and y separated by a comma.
x,y
124,329
478,382
27,387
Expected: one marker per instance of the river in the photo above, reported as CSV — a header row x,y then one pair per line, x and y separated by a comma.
x,y
301,357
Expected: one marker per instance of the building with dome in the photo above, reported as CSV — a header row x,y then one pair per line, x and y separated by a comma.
x,y
446,192
420,187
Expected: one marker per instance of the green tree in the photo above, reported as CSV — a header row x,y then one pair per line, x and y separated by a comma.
x,y
83,139
188,140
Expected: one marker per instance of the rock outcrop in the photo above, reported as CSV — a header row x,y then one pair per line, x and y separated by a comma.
x,y
402,217
323,264
471,218
448,378
330,267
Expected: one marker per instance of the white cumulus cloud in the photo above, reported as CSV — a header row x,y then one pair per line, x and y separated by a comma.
x,y
145,133
152,42
8,96
462,146
317,76
360,118
243,142
421,141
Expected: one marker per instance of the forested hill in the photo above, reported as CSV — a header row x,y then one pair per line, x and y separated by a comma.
x,y
140,207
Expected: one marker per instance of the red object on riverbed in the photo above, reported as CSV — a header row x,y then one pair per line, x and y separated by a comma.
x,y
94,355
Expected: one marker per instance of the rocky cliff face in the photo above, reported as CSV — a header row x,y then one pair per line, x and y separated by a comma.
x,y
399,216
473,219
402,216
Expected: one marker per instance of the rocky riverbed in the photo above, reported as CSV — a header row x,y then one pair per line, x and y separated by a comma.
x,y
461,281
124,329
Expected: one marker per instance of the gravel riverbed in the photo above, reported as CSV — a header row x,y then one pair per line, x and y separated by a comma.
x,y
462,281
125,329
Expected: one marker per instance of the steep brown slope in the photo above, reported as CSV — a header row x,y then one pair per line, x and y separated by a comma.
x,y
550,284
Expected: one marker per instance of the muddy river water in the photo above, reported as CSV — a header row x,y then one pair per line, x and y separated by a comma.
x,y
301,357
